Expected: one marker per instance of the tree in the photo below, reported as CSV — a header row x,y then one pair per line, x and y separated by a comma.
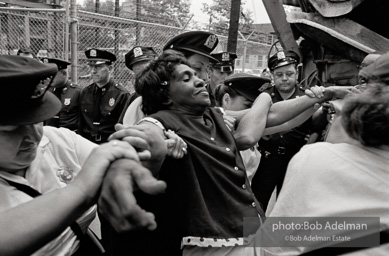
x,y
219,14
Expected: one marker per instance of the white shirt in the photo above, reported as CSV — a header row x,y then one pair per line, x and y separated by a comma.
x,y
59,150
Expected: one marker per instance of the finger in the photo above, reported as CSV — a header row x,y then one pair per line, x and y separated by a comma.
x,y
146,181
119,127
144,155
138,143
309,93
127,132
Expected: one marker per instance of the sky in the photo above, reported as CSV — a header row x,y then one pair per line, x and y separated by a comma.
x,y
259,14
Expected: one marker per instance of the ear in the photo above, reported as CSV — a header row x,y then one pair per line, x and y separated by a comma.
x,y
226,101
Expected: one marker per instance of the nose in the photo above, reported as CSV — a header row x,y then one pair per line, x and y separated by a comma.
x,y
284,76
199,82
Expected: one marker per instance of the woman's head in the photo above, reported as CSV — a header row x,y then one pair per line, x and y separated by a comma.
x,y
229,99
365,116
166,80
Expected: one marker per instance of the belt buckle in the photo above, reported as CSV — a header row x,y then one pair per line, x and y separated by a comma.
x,y
267,154
281,150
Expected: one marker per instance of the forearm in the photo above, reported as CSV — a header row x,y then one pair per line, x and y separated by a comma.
x,y
283,111
29,226
238,115
252,125
298,120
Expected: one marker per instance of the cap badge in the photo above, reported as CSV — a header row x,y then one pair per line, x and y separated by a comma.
x,y
65,174
111,102
93,53
280,55
138,52
41,88
225,56
45,61
67,102
210,42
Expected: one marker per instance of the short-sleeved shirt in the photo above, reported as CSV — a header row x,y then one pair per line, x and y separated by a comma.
x,y
59,150
69,115
113,102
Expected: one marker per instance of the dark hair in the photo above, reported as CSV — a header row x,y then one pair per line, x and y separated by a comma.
x,y
222,89
365,116
152,83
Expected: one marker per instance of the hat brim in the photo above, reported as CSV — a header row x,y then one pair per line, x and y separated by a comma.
x,y
196,51
147,58
32,115
95,62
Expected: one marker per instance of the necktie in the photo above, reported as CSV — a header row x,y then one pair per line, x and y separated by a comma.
x,y
96,113
57,92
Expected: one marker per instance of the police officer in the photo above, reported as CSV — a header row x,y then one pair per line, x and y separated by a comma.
x,y
103,101
277,149
138,57
26,52
69,95
220,69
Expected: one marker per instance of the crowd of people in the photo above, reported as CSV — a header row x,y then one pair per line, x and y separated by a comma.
x,y
174,168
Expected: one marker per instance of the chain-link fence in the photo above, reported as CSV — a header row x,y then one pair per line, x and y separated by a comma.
x,y
46,32
41,31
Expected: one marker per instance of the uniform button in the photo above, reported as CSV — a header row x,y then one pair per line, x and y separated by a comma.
x,y
253,204
236,168
212,138
281,136
228,149
103,89
244,186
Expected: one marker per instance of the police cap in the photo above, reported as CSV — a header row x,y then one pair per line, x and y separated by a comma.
x,y
249,86
24,98
282,58
97,56
139,53
61,64
225,61
200,42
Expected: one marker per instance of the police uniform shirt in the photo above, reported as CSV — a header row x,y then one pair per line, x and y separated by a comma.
x,y
291,140
68,117
114,98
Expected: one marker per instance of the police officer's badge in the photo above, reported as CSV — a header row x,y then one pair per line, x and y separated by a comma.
x,y
225,56
93,53
67,101
65,174
138,52
111,102
210,42
280,55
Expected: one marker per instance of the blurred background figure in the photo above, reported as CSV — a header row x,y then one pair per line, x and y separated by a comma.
x,y
222,68
26,52
69,95
138,57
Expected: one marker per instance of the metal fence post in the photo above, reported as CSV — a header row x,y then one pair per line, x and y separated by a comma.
x,y
74,41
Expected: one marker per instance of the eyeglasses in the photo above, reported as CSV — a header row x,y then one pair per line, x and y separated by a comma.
x,y
279,75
